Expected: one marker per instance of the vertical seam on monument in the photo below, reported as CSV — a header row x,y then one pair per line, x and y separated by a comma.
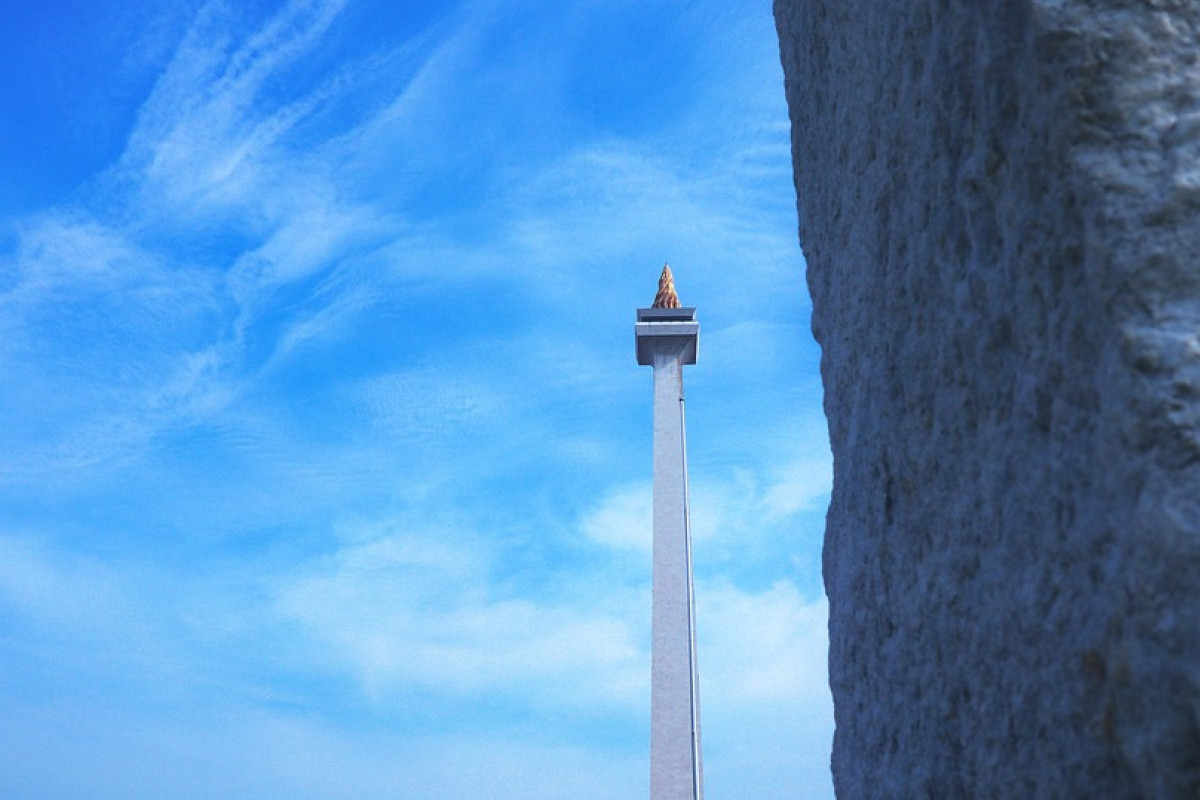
x,y
693,669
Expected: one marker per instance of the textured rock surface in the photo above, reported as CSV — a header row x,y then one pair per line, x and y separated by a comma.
x,y
1000,210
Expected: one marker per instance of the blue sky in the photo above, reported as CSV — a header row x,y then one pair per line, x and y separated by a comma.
x,y
325,461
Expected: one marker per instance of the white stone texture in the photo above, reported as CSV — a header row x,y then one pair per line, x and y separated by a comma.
x,y
1000,210
675,768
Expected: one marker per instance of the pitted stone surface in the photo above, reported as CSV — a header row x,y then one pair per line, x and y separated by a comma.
x,y
1000,210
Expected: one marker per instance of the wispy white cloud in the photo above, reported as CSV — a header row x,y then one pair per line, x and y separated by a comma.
x,y
400,615
778,659
405,613
622,519
82,593
727,509
148,340
799,486
204,121
766,708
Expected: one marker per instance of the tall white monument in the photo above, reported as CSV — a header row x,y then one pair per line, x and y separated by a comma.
x,y
667,337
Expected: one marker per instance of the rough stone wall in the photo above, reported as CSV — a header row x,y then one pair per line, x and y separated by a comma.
x,y
1000,210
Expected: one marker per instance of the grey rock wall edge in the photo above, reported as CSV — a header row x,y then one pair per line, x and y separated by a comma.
x,y
999,207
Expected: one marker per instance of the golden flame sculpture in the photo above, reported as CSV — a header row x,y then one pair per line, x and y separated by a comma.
x,y
666,297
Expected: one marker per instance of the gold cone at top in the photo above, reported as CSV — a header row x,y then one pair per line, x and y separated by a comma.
x,y
666,297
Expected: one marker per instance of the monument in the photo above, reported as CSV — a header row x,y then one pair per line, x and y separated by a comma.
x,y
667,337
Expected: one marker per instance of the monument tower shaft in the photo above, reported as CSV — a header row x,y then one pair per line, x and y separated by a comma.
x,y
667,339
